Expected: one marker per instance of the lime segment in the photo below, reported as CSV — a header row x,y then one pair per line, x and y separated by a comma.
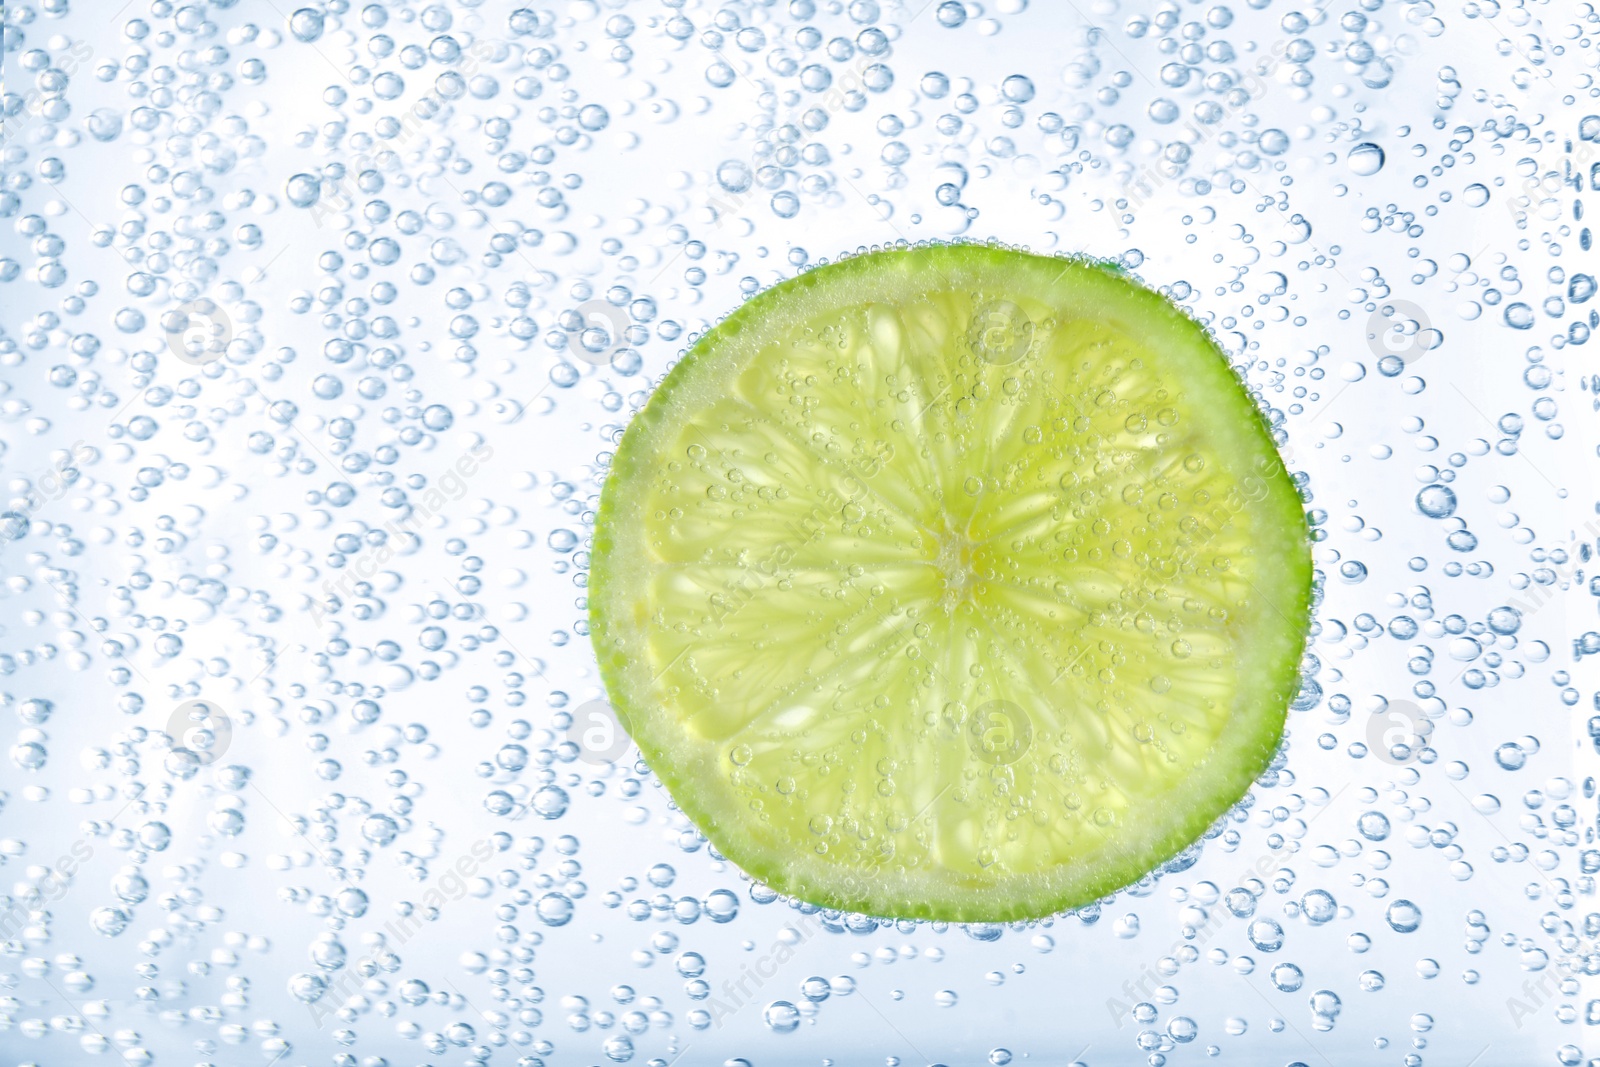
x,y
952,583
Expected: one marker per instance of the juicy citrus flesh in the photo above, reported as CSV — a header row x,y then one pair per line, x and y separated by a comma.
x,y
953,583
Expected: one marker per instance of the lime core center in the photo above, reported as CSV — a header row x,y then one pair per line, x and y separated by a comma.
x,y
957,563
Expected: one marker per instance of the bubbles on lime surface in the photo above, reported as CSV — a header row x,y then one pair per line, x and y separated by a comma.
x,y
301,524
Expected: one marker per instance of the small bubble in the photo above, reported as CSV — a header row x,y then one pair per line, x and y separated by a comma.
x,y
1436,501
1373,825
1403,916
380,829
1519,316
110,922
781,1017
303,190
1265,934
1505,620
306,24
1318,907
734,175
1325,1004
1365,159
1017,88
721,906
554,909
1511,756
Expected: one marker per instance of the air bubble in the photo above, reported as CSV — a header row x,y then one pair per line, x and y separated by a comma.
x,y
1365,159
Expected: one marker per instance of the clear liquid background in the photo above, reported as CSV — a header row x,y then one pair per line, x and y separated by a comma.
x,y
1374,206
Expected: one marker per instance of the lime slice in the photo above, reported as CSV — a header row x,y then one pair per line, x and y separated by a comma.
x,y
952,583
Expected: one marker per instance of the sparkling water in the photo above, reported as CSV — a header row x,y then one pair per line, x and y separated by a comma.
x,y
320,327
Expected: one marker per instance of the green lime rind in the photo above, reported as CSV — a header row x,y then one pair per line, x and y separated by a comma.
x,y
667,650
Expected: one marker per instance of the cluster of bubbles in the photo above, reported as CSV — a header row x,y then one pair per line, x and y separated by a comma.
x,y
320,327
